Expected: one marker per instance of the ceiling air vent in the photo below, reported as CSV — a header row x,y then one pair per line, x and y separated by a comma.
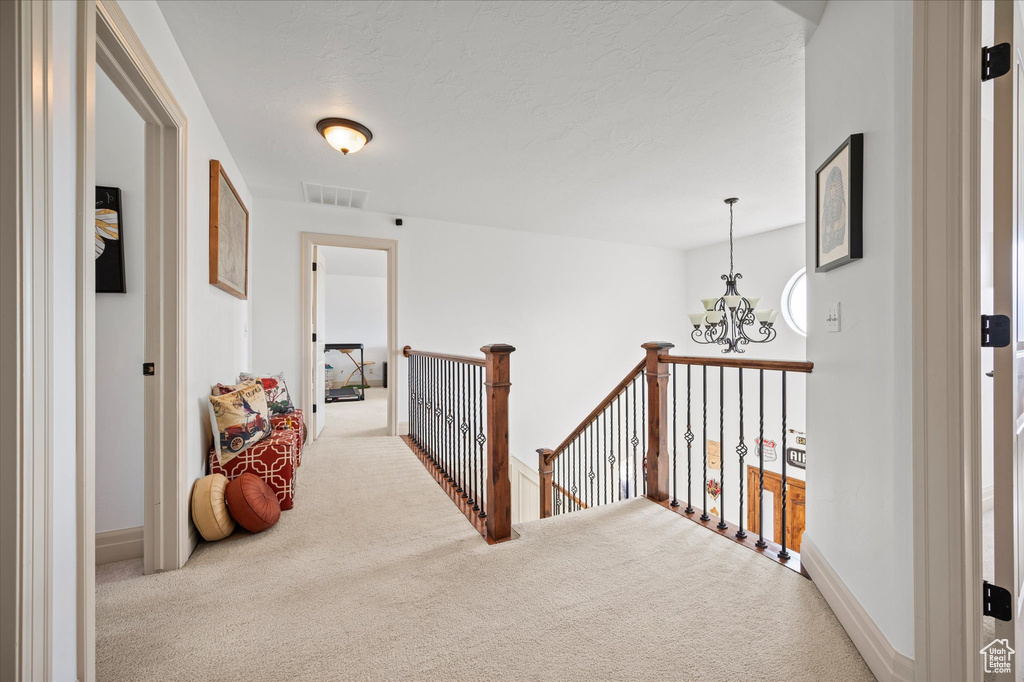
x,y
345,197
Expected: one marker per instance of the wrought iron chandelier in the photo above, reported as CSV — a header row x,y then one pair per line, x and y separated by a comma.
x,y
730,320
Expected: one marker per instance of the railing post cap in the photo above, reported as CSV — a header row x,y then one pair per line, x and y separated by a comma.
x,y
658,345
405,350
498,348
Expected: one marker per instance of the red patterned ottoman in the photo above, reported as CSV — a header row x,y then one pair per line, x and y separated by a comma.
x,y
273,459
291,422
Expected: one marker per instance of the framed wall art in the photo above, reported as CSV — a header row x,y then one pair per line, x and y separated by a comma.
x,y
109,242
838,206
229,235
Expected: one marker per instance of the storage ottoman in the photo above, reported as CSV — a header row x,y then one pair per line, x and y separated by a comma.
x,y
273,459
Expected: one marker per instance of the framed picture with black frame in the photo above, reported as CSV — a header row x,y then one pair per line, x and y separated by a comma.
x,y
109,242
838,203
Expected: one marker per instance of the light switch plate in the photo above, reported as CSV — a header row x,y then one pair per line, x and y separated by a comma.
x,y
832,317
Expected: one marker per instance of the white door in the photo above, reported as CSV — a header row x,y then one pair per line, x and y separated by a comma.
x,y
1008,361
319,331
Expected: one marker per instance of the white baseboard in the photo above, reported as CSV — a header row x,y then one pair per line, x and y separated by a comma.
x,y
118,545
986,498
525,484
885,662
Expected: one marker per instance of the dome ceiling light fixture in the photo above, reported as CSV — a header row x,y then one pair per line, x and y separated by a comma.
x,y
346,136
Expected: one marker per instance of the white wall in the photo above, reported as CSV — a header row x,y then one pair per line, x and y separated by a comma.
x,y
766,261
218,344
120,319
859,396
576,310
357,312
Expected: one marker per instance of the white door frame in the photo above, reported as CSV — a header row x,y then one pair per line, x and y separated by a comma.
x,y
106,39
945,337
26,349
309,240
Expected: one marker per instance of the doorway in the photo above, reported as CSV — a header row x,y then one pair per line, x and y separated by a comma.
x,y
349,313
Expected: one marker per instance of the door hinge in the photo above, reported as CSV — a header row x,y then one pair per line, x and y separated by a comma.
x,y
148,369
314,408
995,331
314,266
996,601
995,61
314,337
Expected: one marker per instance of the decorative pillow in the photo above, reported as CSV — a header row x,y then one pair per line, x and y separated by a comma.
x,y
209,512
278,398
253,504
238,420
224,389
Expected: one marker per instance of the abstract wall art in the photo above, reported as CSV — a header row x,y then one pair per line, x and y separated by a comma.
x,y
109,242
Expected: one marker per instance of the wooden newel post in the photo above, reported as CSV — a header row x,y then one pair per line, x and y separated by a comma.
x,y
545,459
657,421
498,488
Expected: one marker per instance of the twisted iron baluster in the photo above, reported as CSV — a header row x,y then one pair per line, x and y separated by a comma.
x,y
783,554
675,431
722,525
704,515
481,440
689,445
741,450
760,464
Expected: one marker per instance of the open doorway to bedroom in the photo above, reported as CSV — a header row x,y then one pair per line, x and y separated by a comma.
x,y
351,293
349,311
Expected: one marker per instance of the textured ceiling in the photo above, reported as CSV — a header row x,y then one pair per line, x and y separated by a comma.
x,y
620,121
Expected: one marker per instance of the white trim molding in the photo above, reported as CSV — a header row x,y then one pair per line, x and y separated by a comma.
x,y
525,482
886,663
946,359
118,545
26,344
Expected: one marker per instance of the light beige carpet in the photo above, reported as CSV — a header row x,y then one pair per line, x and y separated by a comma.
x,y
376,575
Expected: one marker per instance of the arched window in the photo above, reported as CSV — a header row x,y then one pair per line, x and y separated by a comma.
x,y
794,302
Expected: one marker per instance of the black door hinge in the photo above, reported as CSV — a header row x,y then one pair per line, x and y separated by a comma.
x,y
996,601
148,369
995,61
314,408
314,266
314,337
995,331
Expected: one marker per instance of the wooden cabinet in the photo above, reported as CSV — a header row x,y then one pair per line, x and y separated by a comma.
x,y
796,506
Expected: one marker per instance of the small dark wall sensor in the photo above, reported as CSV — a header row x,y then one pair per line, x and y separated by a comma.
x,y
398,221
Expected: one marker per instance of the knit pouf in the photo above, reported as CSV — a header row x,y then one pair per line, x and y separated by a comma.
x,y
252,503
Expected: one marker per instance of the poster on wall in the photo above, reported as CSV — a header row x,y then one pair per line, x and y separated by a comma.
x,y
229,235
838,199
109,242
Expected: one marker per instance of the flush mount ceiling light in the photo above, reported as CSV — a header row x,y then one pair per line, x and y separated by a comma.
x,y
346,136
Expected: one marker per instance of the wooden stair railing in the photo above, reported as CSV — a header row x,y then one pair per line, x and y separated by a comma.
x,y
458,427
568,474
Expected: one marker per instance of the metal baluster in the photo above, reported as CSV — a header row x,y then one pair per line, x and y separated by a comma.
x,y
610,494
618,445
675,430
481,440
464,429
741,450
783,554
689,445
428,434
577,481
643,427
704,515
722,525
635,441
475,494
760,463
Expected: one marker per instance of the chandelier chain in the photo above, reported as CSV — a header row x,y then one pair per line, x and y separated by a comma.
x,y
730,244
